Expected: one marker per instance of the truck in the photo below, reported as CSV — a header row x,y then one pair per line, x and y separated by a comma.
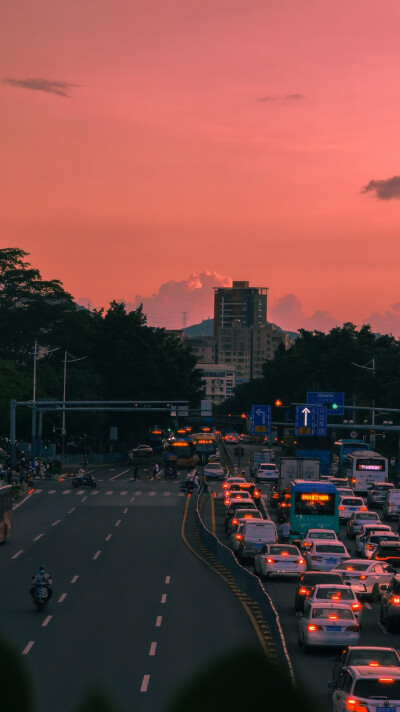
x,y
260,456
297,468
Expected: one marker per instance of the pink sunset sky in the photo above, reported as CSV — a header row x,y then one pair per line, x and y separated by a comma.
x,y
152,149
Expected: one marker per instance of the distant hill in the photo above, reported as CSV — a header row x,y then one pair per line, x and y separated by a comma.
x,y
206,327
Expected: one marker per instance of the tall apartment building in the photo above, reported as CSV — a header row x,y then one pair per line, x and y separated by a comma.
x,y
239,305
218,381
204,348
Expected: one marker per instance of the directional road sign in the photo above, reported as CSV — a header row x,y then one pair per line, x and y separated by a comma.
x,y
260,419
327,398
310,420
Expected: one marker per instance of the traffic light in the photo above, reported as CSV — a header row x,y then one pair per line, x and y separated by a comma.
x,y
278,403
331,406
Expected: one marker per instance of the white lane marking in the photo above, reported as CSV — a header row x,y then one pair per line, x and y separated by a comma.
x,y
119,475
28,496
62,597
163,598
66,491
131,499
38,491
95,492
117,523
382,629
168,579
145,683
80,492
46,621
124,492
28,647
138,493
83,498
17,554
158,621
97,554
181,494
152,494
167,494
110,492
75,578
367,605
125,511
71,510
39,536
51,492
56,522
153,649
108,537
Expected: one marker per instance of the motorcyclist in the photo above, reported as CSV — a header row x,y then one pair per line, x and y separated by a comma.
x,y
284,532
42,578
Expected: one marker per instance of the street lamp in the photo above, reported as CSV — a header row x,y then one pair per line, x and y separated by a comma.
x,y
71,359
42,350
371,368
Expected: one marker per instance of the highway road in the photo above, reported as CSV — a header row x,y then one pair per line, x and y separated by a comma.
x,y
133,610
311,669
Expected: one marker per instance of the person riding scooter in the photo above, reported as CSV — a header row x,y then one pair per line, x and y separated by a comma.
x,y
42,578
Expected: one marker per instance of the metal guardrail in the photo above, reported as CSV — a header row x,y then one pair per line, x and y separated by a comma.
x,y
249,584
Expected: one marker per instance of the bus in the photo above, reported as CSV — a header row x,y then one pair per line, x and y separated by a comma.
x,y
205,444
155,439
340,450
185,451
313,505
5,512
363,469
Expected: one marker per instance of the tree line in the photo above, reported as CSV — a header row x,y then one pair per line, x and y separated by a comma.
x,y
125,359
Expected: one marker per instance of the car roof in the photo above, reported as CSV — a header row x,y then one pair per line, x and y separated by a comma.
x,y
333,585
329,604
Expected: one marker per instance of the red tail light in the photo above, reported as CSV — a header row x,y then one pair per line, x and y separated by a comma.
x,y
312,627
362,577
303,592
341,508
284,553
301,561
332,618
395,600
234,522
238,537
364,508
386,679
356,607
270,561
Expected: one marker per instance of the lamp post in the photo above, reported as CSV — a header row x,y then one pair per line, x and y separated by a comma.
x,y
45,351
66,360
371,368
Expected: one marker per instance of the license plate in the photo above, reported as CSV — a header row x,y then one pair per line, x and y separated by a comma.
x,y
331,561
352,509
331,628
259,546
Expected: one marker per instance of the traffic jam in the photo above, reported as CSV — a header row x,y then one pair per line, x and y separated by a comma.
x,y
326,548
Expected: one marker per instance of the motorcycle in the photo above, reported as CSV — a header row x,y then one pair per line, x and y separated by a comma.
x,y
84,481
187,486
41,597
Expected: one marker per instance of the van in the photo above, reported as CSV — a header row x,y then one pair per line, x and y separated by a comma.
x,y
391,504
255,536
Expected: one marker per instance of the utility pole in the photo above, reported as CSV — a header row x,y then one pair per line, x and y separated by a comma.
x,y
71,359
371,368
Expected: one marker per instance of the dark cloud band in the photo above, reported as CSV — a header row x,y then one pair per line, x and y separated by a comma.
x,y
388,189
40,84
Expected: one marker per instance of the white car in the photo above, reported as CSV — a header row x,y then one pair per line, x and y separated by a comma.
x,y
366,529
241,516
348,505
214,471
327,624
267,473
325,555
279,559
356,521
317,535
337,594
375,576
232,481
368,688
141,451
372,540
237,525
345,492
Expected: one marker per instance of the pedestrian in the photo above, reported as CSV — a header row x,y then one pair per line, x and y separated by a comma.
x,y
156,471
135,473
196,482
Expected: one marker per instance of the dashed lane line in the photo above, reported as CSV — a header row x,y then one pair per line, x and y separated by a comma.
x,y
46,621
21,551
83,498
118,522
51,492
124,492
164,598
28,647
152,650
56,522
108,537
95,492
62,597
109,493
66,491
167,579
158,621
97,554
145,683
75,578
125,511
71,510
39,536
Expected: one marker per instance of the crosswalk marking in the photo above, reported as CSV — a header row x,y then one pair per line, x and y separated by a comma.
x,y
67,491
95,492
52,491
123,492
38,491
109,492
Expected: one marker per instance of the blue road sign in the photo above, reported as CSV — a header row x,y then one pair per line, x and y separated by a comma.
x,y
310,420
327,397
260,419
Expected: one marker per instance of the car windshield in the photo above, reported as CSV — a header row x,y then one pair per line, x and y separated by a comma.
x,y
381,488
330,549
381,537
259,530
352,501
333,613
284,550
366,515
322,535
345,594
354,566
385,658
369,689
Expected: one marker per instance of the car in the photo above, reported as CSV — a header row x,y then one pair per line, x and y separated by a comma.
x,y
214,471
377,493
235,505
267,473
229,481
246,439
345,492
317,535
255,536
372,540
338,593
326,555
348,505
245,487
327,624
374,656
356,521
236,529
390,604
279,559
388,551
367,529
141,451
233,496
366,688
391,504
373,575
240,516
307,583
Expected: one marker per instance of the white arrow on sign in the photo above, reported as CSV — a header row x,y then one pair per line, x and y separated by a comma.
x,y
306,412
261,412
